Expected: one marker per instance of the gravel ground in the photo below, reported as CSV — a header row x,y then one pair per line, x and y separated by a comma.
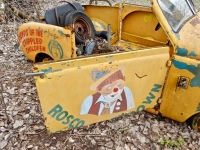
x,y
22,124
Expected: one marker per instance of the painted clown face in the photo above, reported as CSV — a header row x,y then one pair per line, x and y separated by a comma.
x,y
113,90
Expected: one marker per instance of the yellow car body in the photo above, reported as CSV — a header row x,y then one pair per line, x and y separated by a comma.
x,y
158,71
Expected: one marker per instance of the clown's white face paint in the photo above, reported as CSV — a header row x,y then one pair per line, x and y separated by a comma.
x,y
113,91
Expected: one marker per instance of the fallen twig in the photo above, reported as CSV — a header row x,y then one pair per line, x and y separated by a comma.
x,y
104,146
2,98
36,133
18,12
2,76
90,135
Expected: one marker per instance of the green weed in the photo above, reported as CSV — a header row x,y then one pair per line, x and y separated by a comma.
x,y
169,143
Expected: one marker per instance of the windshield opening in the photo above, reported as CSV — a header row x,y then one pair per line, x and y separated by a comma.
x,y
177,12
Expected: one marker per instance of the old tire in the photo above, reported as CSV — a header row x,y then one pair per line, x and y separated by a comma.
x,y
83,26
43,58
194,122
63,17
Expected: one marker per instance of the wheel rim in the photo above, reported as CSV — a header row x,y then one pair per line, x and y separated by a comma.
x,y
46,59
198,124
82,28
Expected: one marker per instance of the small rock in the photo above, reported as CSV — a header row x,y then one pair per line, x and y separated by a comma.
x,y
1,124
26,84
14,113
194,136
156,146
141,138
172,131
190,145
93,142
52,148
155,128
11,91
128,138
71,140
133,148
30,146
2,129
147,124
110,144
22,91
7,136
145,131
3,144
141,127
18,123
137,116
119,148
185,135
126,147
103,133
169,135
36,127
22,129
25,116
47,144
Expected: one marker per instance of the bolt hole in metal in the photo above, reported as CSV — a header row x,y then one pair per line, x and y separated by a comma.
x,y
183,82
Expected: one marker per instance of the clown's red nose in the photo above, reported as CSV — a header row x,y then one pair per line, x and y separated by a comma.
x,y
115,89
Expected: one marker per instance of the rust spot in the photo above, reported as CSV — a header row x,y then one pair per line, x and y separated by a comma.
x,y
35,68
67,35
195,21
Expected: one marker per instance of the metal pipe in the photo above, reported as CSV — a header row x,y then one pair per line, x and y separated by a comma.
x,y
109,35
35,74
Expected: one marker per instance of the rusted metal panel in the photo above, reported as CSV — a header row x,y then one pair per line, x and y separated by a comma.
x,y
83,91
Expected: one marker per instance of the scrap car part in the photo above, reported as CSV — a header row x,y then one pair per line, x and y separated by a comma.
x,y
90,47
83,26
52,15
194,122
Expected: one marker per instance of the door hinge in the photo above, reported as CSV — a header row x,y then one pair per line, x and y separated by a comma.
x,y
169,63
